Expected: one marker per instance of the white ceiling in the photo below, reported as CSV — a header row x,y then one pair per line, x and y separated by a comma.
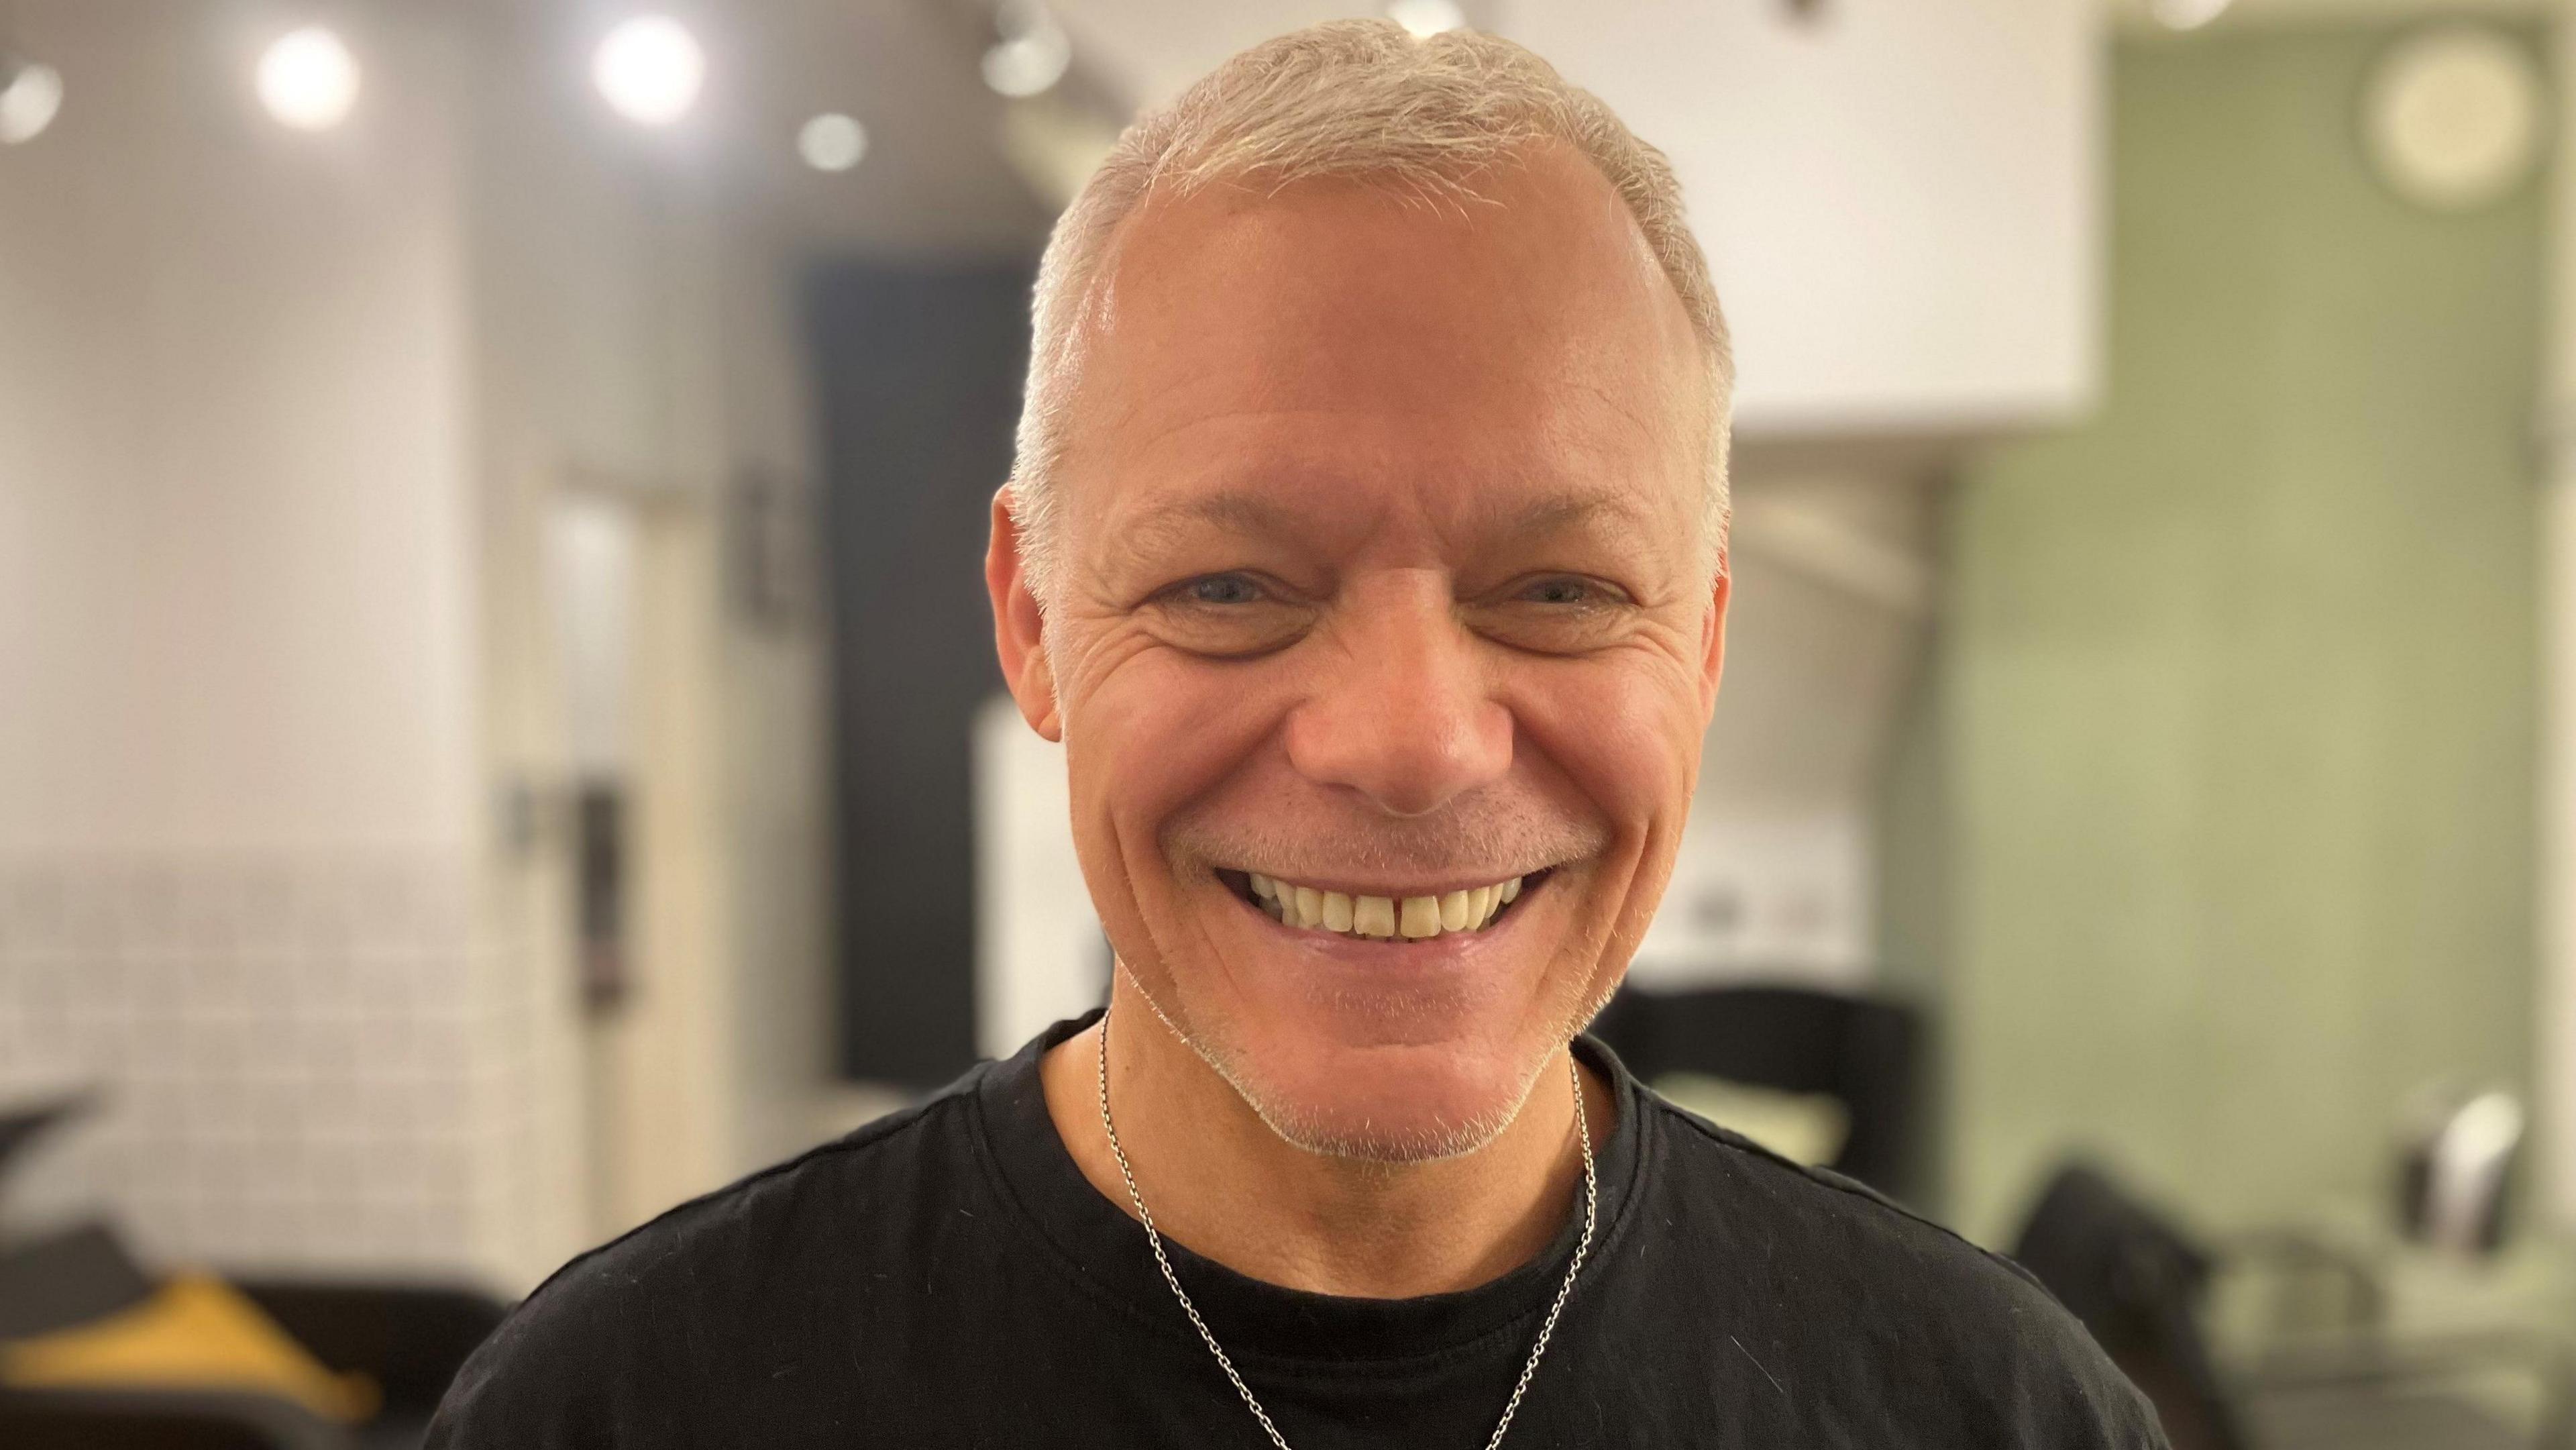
x,y
933,178
2261,12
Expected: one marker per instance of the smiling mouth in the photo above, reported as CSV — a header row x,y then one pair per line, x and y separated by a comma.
x,y
1382,918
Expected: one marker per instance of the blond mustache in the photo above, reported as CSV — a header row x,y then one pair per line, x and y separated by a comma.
x,y
1491,834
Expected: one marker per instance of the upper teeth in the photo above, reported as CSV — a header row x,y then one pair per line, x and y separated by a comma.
x,y
1415,917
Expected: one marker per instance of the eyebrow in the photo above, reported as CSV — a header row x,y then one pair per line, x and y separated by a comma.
x,y
1243,509
1265,508
1255,509
1574,508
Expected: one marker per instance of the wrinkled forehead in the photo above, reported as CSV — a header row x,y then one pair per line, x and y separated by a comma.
x,y
1523,342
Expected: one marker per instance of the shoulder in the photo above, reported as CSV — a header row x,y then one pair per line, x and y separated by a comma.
x,y
646,1315
1788,1207
1838,1272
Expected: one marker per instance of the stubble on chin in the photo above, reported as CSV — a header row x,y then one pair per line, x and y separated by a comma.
x,y
1328,1134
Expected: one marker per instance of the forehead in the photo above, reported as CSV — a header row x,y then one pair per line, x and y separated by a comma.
x,y
1341,334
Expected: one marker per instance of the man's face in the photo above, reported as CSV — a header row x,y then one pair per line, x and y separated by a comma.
x,y
1383,581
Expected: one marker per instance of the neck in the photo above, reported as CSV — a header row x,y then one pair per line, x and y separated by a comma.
x,y
1222,1183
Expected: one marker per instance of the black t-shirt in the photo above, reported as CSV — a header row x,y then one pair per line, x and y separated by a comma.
x,y
946,1277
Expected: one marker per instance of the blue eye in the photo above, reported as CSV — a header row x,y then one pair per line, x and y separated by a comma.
x,y
1223,589
1559,590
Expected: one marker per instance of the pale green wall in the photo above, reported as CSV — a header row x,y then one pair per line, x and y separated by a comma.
x,y
2214,834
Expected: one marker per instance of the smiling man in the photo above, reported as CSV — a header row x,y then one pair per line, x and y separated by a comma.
x,y
1366,551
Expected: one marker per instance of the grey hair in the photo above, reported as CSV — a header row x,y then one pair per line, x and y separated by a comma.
x,y
1356,99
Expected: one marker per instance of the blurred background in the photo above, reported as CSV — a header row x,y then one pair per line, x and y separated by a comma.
x,y
498,731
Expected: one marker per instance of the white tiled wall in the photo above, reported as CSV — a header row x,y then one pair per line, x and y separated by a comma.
x,y
294,1061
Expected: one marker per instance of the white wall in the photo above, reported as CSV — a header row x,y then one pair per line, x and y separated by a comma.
x,y
1777,876
1039,953
234,603
238,786
279,418
776,717
637,334
1898,200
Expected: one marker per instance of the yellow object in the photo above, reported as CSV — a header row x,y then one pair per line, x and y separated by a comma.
x,y
1808,1128
195,1332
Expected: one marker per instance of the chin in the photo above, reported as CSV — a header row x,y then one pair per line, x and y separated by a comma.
x,y
1389,1105
1389,1049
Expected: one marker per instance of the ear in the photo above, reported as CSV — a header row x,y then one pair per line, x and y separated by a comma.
x,y
1019,626
1712,661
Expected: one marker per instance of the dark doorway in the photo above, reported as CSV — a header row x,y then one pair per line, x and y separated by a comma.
x,y
919,371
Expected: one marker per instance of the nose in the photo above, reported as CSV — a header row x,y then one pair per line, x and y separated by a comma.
x,y
1402,710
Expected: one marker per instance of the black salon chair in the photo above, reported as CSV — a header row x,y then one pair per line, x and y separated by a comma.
x,y
1863,1052
2140,1285
162,1420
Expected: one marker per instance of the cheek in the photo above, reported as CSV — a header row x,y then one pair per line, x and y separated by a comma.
x,y
1628,742
1152,737
1626,737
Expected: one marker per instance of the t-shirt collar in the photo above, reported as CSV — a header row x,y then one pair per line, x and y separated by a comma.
x,y
1105,1251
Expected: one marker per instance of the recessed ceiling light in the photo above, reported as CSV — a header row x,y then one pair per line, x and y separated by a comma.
x,y
2187,14
832,142
649,69
1033,53
30,94
308,79
1427,18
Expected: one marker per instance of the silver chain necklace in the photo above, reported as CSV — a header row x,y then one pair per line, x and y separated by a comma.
x,y
1583,1246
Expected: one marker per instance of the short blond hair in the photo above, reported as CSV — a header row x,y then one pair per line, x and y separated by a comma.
x,y
1350,99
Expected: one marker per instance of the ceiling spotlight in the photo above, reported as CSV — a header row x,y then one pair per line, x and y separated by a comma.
x,y
650,69
1427,18
2187,14
308,79
1033,52
832,142
30,94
